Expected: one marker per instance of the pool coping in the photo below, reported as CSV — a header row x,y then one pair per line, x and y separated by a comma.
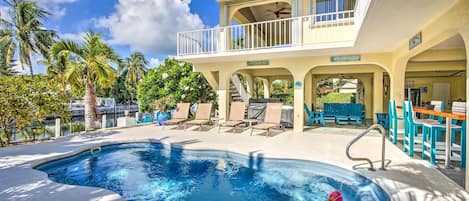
x,y
39,162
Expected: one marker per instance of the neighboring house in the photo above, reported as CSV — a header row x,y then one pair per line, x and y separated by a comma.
x,y
325,89
379,42
348,88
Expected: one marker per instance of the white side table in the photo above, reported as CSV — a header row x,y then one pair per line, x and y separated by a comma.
x,y
250,121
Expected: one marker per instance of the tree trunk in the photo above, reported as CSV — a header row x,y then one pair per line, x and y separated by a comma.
x,y
31,70
8,135
30,65
90,107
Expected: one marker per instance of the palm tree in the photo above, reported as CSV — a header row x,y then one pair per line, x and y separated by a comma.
x,y
55,69
27,30
133,69
89,66
7,51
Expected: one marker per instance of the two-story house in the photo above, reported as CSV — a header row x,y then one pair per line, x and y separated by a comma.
x,y
382,43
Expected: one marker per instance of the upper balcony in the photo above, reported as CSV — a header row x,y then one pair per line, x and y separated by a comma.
x,y
318,31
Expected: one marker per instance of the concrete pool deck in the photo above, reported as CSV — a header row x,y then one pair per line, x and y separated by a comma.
x,y
404,179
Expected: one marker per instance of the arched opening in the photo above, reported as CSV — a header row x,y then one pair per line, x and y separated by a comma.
x,y
438,73
339,89
435,79
365,86
258,86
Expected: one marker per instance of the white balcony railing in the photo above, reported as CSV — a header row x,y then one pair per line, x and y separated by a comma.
x,y
268,34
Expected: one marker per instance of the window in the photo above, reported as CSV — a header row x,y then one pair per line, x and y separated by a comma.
x,y
333,9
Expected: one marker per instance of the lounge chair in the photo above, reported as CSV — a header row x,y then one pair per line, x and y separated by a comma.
x,y
236,116
202,116
272,117
180,115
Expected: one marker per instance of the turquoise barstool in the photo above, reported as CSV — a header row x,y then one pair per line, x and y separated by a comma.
x,y
463,144
461,147
432,135
406,126
393,121
413,125
431,145
438,106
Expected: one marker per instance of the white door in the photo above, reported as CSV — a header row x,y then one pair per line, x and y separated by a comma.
x,y
442,91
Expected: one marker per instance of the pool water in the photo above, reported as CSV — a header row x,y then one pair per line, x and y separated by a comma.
x,y
151,171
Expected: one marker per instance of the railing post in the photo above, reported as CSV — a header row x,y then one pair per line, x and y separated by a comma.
x,y
212,40
177,44
252,36
57,127
223,36
104,121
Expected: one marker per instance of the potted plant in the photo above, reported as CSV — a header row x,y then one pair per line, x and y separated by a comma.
x,y
163,106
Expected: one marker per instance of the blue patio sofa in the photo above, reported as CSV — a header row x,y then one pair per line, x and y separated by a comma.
x,y
344,113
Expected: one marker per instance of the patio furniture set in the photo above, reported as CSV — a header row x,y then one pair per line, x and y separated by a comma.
x,y
180,117
340,113
425,135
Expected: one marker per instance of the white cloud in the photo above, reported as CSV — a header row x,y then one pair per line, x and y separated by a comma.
x,y
4,12
155,62
73,36
55,7
150,25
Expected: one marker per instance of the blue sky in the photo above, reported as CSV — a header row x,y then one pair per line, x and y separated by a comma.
x,y
149,26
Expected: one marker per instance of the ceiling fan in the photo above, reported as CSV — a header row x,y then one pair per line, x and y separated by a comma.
x,y
279,11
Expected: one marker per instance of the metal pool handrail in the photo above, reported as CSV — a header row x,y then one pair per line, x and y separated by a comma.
x,y
373,127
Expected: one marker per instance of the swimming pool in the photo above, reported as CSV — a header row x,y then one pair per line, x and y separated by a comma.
x,y
152,171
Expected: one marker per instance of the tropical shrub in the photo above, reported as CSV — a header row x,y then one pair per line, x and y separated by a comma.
x,y
164,104
335,97
26,102
175,80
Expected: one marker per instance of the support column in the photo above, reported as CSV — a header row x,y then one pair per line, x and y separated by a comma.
x,y
314,88
368,96
298,102
223,95
296,24
224,21
465,36
249,85
266,83
309,90
397,79
398,82
377,94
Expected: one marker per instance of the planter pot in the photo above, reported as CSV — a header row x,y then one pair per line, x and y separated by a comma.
x,y
161,117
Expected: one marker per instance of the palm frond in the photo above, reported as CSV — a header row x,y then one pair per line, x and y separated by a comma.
x,y
68,47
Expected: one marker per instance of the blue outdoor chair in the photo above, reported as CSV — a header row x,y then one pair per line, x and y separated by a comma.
x,y
393,121
314,117
432,132
412,130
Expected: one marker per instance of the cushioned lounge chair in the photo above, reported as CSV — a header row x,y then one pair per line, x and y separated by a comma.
x,y
236,117
272,118
180,115
202,116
